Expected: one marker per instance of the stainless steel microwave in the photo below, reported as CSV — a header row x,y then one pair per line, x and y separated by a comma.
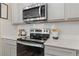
x,y
35,12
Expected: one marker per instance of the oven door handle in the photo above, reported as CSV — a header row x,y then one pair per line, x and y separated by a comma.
x,y
31,44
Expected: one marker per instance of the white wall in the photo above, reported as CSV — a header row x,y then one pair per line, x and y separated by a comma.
x,y
6,28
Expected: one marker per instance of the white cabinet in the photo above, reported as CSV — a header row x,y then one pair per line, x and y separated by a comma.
x,y
17,12
0,47
55,51
56,11
9,48
77,52
72,11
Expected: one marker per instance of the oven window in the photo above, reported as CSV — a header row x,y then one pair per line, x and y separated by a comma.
x,y
25,50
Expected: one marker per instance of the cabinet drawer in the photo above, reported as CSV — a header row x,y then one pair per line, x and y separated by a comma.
x,y
59,51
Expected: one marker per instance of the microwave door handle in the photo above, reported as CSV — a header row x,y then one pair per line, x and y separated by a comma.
x,y
40,11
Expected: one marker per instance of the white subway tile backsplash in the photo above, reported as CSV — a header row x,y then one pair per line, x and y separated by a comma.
x,y
68,29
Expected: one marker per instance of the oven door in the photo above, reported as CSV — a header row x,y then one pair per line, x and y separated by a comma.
x,y
24,49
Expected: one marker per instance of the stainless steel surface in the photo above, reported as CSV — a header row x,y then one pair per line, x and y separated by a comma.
x,y
31,44
32,19
33,40
25,48
34,5
37,18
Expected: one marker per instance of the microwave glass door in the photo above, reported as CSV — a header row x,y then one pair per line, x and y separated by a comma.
x,y
31,13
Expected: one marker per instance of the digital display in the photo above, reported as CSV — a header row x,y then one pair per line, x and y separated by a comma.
x,y
38,30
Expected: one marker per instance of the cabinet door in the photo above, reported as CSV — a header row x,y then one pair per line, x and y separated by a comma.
x,y
13,50
16,14
0,47
6,50
21,6
0,41
72,11
55,51
9,48
77,52
56,11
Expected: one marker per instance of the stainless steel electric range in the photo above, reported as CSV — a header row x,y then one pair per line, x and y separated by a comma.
x,y
33,45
